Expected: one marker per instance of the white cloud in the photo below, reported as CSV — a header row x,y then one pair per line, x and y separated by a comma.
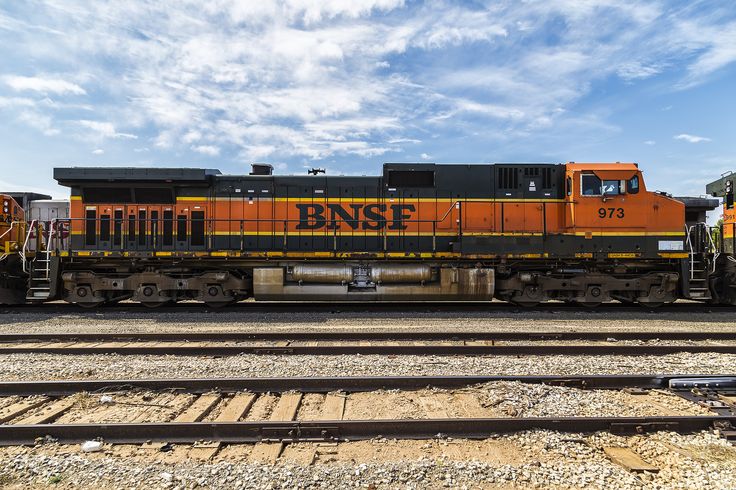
x,y
398,141
715,45
16,102
207,150
41,122
650,142
43,85
636,70
690,138
105,129
425,156
98,151
319,78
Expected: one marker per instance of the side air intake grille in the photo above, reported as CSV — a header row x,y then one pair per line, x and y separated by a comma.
x,y
508,178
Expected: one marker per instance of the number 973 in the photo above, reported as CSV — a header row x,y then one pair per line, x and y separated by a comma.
x,y
611,213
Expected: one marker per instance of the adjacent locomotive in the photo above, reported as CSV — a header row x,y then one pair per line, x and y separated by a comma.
x,y
12,229
525,233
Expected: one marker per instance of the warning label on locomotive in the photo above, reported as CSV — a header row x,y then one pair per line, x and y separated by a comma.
x,y
671,245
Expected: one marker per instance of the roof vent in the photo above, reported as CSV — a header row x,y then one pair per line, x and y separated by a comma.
x,y
261,169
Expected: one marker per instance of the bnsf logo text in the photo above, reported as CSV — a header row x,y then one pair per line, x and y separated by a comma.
x,y
358,216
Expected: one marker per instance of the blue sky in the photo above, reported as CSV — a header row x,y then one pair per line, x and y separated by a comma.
x,y
349,85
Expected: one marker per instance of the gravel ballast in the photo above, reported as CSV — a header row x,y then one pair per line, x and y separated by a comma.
x,y
534,459
115,366
242,319
541,459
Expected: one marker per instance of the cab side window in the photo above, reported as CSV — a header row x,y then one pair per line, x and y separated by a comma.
x,y
632,185
590,185
611,187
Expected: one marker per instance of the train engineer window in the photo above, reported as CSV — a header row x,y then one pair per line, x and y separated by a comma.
x,y
632,186
590,185
611,188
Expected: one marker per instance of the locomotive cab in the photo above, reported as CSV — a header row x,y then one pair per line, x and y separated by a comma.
x,y
611,199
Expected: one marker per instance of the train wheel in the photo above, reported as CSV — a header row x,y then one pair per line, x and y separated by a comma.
x,y
155,304
525,304
590,304
89,305
218,304
652,305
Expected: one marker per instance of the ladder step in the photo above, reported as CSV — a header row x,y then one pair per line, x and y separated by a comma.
x,y
38,295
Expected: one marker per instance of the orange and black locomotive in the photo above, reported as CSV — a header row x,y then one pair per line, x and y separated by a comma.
x,y
525,233
587,233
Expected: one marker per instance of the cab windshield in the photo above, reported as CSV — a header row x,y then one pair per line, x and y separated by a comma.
x,y
611,187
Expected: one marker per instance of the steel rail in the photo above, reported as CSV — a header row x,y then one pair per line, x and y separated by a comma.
x,y
402,307
343,335
343,430
394,349
353,384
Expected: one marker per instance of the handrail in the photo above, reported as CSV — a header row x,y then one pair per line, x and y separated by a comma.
x,y
12,224
54,232
710,243
688,230
716,252
22,252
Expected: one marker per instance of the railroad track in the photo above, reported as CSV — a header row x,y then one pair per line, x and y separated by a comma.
x,y
361,307
274,411
378,343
